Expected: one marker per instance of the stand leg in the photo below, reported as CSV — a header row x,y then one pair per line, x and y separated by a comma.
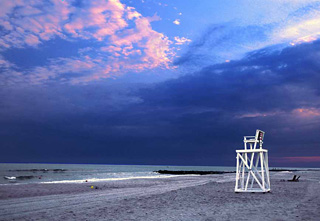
x,y
267,169
262,171
237,174
255,166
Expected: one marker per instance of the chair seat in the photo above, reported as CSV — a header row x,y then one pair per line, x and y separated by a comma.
x,y
251,140
251,151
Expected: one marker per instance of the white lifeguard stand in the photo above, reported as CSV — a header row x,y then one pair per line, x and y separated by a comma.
x,y
252,173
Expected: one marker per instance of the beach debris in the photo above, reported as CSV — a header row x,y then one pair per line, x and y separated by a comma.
x,y
252,173
86,181
295,178
92,187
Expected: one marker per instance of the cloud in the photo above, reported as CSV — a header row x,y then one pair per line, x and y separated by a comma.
x,y
283,72
299,28
182,40
4,64
126,38
222,42
264,24
307,112
104,17
28,23
176,22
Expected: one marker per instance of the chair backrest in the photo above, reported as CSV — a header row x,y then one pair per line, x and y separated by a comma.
x,y
259,135
254,140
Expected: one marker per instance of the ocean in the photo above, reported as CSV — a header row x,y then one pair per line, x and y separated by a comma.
x,y
76,173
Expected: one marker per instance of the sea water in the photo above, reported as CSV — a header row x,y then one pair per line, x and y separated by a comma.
x,y
76,173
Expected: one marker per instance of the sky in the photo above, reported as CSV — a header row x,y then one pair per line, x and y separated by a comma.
x,y
159,82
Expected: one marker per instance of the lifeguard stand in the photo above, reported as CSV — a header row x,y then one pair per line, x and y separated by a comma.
x,y
252,173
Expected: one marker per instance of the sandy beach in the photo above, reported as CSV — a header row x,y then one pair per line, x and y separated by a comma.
x,y
208,197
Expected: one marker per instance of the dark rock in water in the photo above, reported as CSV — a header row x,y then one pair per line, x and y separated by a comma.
x,y
25,177
59,170
181,172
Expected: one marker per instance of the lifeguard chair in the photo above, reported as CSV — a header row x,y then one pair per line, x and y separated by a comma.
x,y
252,173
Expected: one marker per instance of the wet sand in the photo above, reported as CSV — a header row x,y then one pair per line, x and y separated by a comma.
x,y
208,197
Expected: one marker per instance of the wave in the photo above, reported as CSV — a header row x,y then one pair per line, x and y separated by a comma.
x,y
110,179
226,180
10,177
19,177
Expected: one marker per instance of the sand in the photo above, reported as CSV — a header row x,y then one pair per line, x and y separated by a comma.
x,y
208,197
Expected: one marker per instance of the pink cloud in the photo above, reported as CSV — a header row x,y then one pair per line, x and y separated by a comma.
x,y
308,159
132,49
33,21
306,112
5,64
127,46
298,112
132,13
111,49
105,16
8,6
257,115
155,46
307,38
32,40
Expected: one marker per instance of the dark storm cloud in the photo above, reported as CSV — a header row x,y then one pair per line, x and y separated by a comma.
x,y
223,102
262,81
197,119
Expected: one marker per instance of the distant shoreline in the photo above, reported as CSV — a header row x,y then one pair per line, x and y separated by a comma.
x,y
191,172
194,172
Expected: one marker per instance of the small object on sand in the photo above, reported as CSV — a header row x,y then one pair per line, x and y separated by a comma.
x,y
86,181
96,188
91,187
295,178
